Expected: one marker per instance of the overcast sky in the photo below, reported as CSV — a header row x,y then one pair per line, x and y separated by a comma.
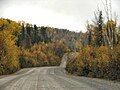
x,y
68,14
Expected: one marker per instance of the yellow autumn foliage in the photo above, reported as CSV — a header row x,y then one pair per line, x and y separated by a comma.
x,y
91,61
8,50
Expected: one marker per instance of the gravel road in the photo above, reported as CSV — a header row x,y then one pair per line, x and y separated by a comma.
x,y
52,78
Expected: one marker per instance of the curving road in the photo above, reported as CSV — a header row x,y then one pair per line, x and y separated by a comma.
x,y
52,78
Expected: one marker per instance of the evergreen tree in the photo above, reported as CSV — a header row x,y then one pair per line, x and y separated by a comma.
x,y
89,35
23,31
99,30
35,34
28,29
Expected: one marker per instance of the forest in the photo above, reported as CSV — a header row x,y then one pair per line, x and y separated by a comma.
x,y
24,45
